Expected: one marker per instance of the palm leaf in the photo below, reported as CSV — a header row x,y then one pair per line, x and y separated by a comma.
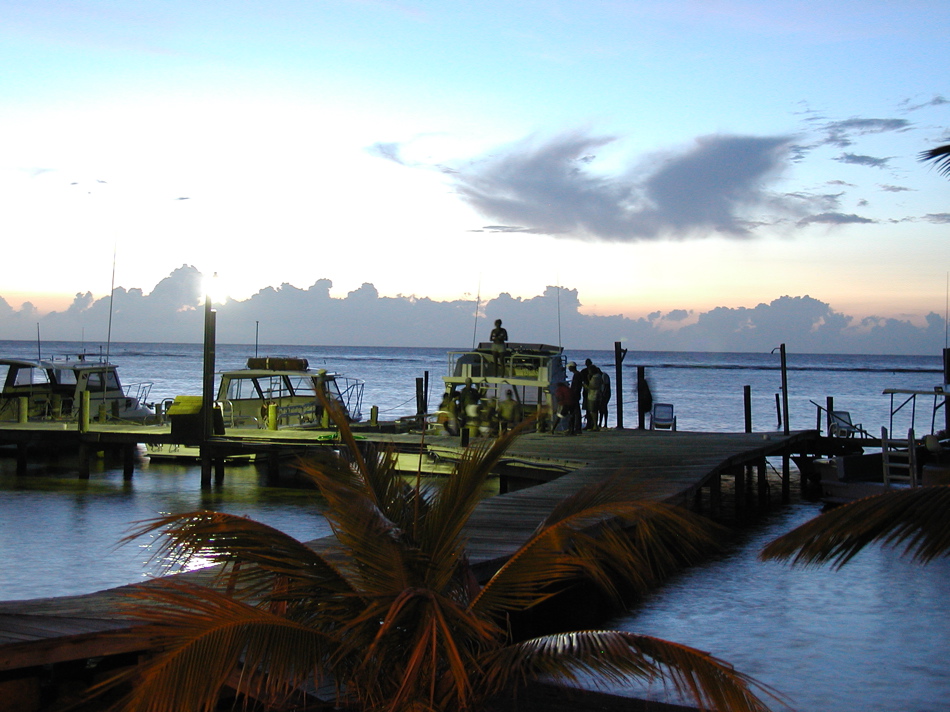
x,y
219,538
582,539
619,657
916,518
207,640
940,157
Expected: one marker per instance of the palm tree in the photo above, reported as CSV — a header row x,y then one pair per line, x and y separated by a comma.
x,y
389,614
940,156
915,518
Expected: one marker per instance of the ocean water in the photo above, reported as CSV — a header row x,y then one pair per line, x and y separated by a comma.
x,y
870,637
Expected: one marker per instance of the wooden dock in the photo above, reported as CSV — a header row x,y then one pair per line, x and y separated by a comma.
x,y
682,467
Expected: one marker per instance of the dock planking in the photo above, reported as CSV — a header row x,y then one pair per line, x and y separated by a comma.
x,y
666,466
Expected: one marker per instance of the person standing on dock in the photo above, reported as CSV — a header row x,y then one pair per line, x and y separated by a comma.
x,y
592,385
499,346
577,395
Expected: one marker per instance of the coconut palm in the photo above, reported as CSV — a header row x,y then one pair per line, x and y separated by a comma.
x,y
940,156
915,518
389,616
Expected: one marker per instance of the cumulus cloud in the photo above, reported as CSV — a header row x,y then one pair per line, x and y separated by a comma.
x,y
552,187
939,218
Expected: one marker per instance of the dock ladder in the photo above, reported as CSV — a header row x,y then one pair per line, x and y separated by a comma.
x,y
900,459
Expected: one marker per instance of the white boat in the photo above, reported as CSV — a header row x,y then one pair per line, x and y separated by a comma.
x,y
287,388
530,371
53,389
274,393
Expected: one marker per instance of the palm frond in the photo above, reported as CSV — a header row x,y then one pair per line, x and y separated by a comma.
x,y
207,639
618,657
582,539
940,157
916,518
220,538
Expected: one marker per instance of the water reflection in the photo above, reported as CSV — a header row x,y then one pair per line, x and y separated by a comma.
x,y
871,636
59,534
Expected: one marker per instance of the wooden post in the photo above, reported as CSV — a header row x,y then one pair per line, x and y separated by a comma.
x,y
829,408
785,430
84,412
619,355
272,416
374,416
84,454
787,479
740,494
747,404
715,496
22,458
641,413
763,484
23,409
128,461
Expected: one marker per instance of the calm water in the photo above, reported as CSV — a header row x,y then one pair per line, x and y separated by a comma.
x,y
870,637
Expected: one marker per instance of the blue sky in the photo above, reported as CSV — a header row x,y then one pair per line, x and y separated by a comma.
x,y
654,156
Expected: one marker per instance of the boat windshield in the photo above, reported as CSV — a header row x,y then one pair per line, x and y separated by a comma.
x,y
99,380
30,377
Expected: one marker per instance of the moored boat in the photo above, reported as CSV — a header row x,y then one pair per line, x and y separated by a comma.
x,y
53,389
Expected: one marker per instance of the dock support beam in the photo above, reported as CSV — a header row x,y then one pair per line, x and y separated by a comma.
x,y
128,461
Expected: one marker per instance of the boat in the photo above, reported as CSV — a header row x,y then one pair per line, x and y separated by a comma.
x,y
287,389
530,371
274,393
53,389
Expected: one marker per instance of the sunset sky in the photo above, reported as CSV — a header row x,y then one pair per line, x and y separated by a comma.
x,y
652,155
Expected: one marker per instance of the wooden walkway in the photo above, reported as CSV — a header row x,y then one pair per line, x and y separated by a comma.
x,y
670,466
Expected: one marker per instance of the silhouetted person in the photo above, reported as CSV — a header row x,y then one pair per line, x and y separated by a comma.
x,y
499,345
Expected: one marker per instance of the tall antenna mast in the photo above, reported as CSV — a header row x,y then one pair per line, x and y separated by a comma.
x,y
478,303
111,298
559,311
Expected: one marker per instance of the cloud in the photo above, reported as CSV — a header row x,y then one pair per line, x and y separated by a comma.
x,y
939,218
552,187
839,133
936,101
389,151
895,188
834,219
857,160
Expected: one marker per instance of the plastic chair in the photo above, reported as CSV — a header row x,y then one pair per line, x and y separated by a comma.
x,y
662,417
842,427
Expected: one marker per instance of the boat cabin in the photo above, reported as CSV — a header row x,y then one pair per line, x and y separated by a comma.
x,y
291,386
530,371
52,389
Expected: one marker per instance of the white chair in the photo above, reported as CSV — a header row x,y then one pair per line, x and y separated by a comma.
x,y
842,427
662,417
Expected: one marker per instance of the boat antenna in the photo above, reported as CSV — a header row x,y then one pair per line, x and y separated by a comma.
x,y
111,298
559,311
257,333
39,350
946,314
478,303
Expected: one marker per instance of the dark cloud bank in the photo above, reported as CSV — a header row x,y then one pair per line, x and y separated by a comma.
x,y
289,315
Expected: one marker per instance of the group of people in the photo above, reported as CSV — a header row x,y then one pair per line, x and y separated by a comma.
x,y
469,408
589,390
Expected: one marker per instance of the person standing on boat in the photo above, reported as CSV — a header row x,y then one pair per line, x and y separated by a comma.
x,y
499,346
564,398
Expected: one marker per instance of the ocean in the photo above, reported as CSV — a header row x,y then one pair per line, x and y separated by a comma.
x,y
870,637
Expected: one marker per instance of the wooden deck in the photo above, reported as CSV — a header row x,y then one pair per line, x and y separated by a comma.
x,y
669,466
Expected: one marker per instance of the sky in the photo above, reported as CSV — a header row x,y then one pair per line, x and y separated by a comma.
x,y
661,160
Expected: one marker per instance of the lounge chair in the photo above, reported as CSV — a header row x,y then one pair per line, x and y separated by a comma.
x,y
662,417
842,427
